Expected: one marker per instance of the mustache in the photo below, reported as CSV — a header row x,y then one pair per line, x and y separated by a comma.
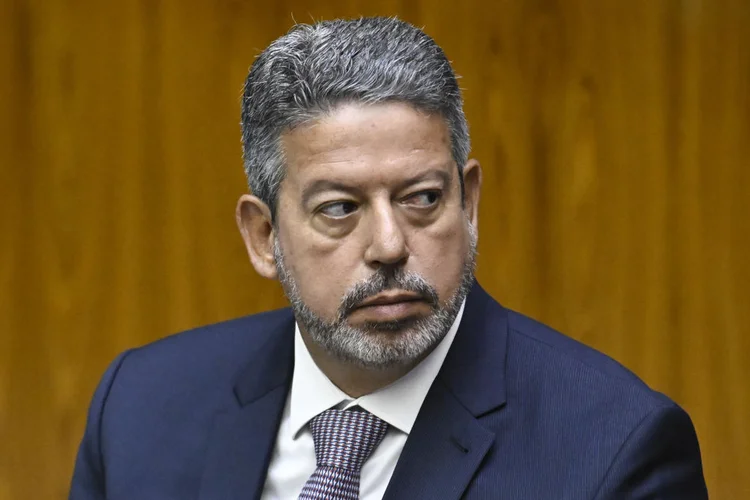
x,y
385,279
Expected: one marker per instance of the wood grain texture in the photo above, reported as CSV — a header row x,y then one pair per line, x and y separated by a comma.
x,y
615,142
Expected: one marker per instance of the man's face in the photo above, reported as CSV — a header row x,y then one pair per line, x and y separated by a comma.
x,y
373,245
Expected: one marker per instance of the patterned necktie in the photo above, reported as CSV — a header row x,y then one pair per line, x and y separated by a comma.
x,y
343,439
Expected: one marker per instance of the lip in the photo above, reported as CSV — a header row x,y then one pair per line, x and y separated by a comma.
x,y
390,298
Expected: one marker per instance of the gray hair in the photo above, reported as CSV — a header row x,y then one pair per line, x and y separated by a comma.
x,y
313,68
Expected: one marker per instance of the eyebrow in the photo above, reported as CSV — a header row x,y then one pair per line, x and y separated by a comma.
x,y
329,185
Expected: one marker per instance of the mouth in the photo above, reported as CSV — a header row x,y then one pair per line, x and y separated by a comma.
x,y
390,298
390,306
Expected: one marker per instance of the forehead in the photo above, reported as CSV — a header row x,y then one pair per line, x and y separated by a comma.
x,y
357,139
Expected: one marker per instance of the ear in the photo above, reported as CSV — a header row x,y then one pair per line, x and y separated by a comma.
x,y
472,175
256,226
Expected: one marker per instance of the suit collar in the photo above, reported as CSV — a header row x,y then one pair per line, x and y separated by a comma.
x,y
271,364
474,370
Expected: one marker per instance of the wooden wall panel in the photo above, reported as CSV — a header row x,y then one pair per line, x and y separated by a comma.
x,y
614,137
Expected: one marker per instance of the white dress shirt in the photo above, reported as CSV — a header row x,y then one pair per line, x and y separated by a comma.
x,y
293,459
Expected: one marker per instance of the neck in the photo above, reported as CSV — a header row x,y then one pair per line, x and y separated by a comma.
x,y
355,381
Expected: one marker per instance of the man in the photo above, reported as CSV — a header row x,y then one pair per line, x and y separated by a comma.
x,y
394,375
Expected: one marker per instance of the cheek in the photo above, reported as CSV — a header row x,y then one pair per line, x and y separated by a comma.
x,y
323,271
438,253
317,266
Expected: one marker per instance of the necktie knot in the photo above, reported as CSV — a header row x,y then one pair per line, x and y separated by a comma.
x,y
345,439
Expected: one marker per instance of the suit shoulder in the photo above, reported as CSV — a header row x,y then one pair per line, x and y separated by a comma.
x,y
587,371
216,346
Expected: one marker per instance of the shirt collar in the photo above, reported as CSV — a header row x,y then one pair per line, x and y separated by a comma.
x,y
398,403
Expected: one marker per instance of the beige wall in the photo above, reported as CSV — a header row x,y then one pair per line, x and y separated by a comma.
x,y
615,141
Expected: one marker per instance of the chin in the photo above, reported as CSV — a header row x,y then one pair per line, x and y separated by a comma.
x,y
394,326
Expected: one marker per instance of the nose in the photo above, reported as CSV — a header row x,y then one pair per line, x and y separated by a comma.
x,y
387,244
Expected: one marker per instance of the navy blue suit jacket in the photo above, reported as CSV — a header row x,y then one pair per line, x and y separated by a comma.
x,y
518,411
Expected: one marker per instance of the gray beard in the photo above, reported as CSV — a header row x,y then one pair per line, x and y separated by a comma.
x,y
383,344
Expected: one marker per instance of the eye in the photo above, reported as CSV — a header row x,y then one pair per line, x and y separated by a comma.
x,y
424,199
338,209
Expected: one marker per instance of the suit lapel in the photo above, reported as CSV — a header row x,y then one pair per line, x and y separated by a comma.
x,y
240,448
447,443
442,452
242,439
